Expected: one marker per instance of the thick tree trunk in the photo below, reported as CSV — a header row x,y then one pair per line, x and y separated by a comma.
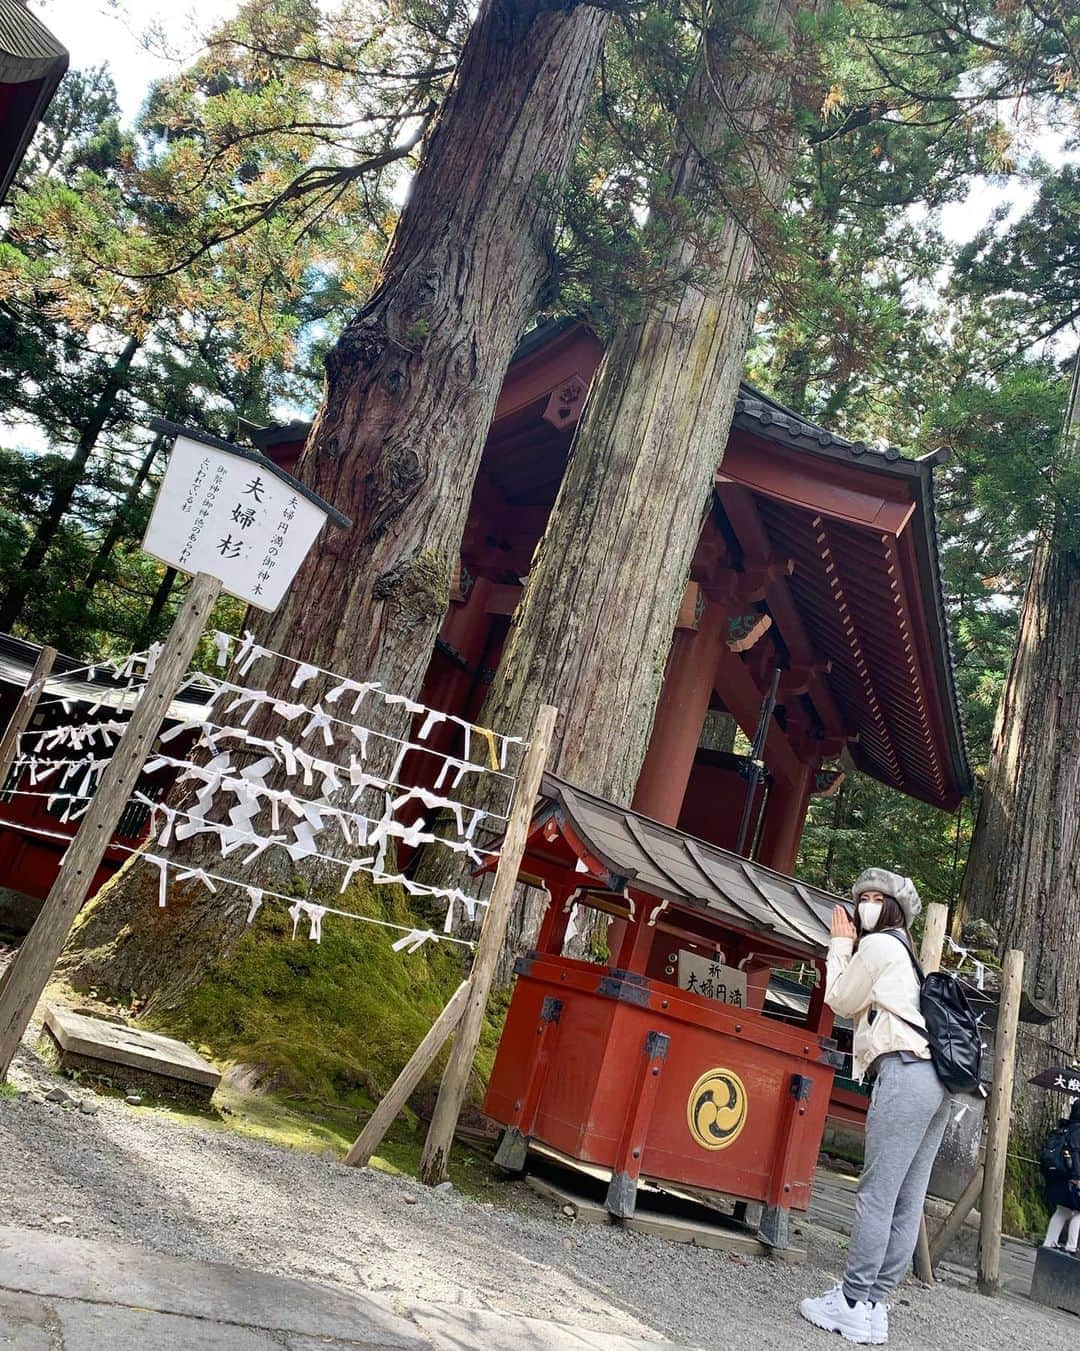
x,y
410,392
1023,873
594,627
65,486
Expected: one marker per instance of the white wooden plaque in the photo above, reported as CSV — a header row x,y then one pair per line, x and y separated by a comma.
x,y
711,978
230,516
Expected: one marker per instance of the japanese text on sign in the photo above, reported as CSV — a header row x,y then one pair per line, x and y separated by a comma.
x,y
228,515
709,976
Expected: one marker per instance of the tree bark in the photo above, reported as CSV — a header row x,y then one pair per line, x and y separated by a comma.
x,y
157,605
411,388
593,631
1023,872
65,486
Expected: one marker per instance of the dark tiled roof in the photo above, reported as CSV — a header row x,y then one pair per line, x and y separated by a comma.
x,y
666,863
70,679
32,64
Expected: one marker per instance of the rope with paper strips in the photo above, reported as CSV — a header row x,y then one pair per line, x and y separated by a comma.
x,y
233,801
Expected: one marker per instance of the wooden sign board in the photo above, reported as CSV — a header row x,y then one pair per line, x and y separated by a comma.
x,y
232,514
711,978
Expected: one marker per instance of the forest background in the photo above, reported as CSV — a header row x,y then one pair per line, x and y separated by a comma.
x,y
923,295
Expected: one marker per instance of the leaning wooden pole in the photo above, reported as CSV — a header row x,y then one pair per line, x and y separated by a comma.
x,y
933,945
33,965
24,709
954,1222
999,1114
371,1137
433,1161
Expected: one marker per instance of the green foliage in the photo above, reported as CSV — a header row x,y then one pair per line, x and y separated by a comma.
x,y
867,825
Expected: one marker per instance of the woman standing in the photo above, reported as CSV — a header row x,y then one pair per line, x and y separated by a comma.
x,y
1063,1187
871,979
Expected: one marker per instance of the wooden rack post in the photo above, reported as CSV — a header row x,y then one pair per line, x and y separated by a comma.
x,y
24,709
933,944
999,1114
433,1161
30,971
380,1121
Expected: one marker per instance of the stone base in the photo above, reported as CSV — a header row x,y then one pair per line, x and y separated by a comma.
x,y
130,1058
1056,1282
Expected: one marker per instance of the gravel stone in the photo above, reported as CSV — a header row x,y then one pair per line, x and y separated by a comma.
x,y
207,1193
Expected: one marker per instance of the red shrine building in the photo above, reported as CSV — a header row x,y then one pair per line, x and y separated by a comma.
x,y
817,575
819,560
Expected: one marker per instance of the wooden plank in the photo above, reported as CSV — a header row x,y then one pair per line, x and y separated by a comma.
x,y
585,1210
24,709
998,1114
130,1047
455,1079
933,944
371,1137
29,973
700,1233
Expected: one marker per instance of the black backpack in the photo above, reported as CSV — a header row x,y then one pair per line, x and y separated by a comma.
x,y
1056,1155
952,1030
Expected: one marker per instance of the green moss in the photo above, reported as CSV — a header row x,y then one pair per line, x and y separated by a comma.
x,y
1024,1213
327,1025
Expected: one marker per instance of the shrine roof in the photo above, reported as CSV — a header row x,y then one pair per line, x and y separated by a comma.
x,y
32,64
70,679
673,866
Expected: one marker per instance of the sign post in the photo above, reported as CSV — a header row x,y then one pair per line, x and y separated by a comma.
x,y
273,516
999,1115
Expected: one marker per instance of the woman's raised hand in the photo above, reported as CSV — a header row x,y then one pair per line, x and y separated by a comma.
x,y
841,926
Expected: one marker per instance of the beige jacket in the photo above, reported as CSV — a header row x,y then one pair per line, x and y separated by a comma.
x,y
878,976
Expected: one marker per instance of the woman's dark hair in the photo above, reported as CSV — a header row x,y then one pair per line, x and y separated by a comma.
x,y
892,917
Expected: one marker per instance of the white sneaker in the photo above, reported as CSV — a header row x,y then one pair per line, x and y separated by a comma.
x,y
832,1313
879,1323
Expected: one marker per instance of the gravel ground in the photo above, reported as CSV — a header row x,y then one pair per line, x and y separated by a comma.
x,y
132,1174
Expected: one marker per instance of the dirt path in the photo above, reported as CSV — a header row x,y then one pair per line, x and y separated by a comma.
x,y
135,1175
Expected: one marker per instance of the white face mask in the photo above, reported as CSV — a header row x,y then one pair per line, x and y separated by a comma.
x,y
869,914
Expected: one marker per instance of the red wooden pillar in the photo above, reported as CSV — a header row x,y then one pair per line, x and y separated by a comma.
x,y
635,947
465,628
626,1165
758,970
514,1146
556,920
773,1229
785,819
680,716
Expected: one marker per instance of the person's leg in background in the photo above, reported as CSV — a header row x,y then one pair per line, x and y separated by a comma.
x,y
1074,1231
1058,1220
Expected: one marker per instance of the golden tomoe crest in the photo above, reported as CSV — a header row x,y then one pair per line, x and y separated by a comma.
x,y
716,1109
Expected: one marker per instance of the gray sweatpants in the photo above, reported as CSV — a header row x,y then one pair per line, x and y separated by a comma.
x,y
909,1110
